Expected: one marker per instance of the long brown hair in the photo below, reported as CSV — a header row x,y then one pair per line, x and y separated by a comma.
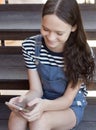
x,y
77,54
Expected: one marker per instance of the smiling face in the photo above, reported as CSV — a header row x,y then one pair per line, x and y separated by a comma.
x,y
55,32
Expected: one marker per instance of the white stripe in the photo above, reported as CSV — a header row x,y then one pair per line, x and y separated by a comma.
x,y
47,55
54,64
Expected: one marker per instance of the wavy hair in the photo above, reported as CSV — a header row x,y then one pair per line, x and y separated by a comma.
x,y
78,60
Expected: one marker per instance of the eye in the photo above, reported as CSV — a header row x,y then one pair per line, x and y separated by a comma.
x,y
60,33
45,29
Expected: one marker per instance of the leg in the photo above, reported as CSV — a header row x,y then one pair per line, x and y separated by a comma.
x,y
55,120
16,122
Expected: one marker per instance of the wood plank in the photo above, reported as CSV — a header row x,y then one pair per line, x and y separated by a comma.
x,y
24,21
8,50
88,13
14,84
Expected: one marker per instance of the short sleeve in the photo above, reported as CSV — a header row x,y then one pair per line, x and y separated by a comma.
x,y
28,49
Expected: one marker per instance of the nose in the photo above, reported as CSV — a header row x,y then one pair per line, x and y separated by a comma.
x,y
51,36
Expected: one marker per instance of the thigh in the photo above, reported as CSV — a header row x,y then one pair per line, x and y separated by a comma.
x,y
62,120
55,120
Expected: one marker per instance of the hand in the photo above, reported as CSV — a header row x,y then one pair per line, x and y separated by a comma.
x,y
18,101
13,101
37,111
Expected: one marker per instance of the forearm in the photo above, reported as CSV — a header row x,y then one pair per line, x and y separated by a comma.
x,y
31,94
65,101
35,86
57,104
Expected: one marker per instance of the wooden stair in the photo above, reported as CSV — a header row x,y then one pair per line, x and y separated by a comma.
x,y
13,73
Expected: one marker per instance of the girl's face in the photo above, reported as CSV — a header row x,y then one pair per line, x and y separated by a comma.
x,y
55,32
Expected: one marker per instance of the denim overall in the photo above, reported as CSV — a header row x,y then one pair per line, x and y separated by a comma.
x,y
54,83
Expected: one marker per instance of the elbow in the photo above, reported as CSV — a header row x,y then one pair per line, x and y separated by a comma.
x,y
69,102
40,93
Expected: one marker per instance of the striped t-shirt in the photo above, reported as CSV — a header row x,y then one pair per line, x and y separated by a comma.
x,y
45,57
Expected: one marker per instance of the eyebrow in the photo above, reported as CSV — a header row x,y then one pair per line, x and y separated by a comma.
x,y
56,31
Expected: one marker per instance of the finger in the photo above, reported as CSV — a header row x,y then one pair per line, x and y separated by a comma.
x,y
33,102
24,115
33,118
15,110
21,98
30,117
12,100
31,113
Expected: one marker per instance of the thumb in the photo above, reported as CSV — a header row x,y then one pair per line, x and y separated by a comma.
x,y
34,102
21,98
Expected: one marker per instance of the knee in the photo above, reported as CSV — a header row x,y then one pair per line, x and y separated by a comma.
x,y
12,116
15,117
16,122
12,120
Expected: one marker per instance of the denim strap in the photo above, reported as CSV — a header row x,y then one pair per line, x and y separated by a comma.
x,y
38,44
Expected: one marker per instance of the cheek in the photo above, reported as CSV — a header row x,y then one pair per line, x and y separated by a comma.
x,y
65,37
43,32
62,41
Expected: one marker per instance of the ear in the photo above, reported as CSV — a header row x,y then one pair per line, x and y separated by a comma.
x,y
74,28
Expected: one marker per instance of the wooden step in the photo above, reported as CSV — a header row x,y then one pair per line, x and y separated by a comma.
x,y
29,19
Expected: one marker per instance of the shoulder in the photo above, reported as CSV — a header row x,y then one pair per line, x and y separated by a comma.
x,y
30,42
32,39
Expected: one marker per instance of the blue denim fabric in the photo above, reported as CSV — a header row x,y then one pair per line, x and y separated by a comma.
x,y
54,84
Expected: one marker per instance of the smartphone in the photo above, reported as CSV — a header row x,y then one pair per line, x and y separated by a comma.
x,y
13,105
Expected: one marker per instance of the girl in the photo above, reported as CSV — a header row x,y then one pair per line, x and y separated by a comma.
x,y
59,63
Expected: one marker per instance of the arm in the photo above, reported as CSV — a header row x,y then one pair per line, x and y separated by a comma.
x,y
35,86
35,89
63,102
